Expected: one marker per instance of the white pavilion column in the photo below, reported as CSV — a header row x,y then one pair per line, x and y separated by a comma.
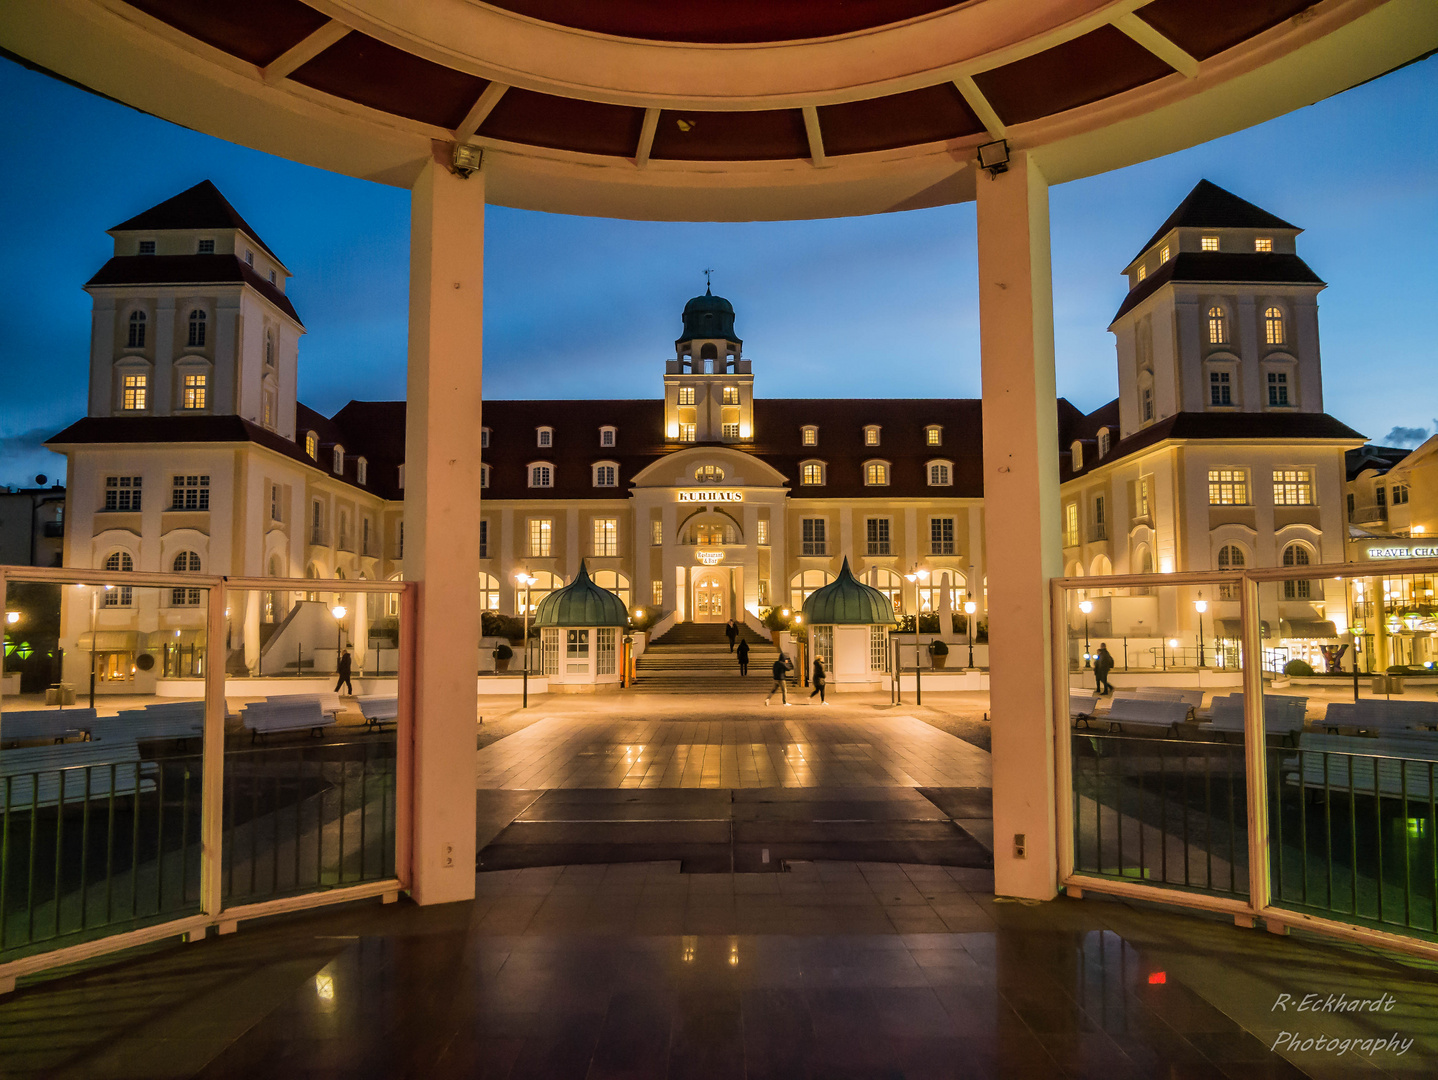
x,y
1021,500
441,515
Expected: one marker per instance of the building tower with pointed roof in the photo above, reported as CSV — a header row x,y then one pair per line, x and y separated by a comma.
x,y
1221,316
709,385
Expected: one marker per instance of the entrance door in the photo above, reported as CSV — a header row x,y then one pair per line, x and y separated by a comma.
x,y
711,596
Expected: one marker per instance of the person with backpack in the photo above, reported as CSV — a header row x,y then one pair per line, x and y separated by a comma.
x,y
782,667
743,657
819,676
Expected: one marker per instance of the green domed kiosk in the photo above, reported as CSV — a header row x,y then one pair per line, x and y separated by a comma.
x,y
581,628
849,624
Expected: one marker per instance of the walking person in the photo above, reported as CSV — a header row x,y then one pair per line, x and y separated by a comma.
x,y
731,631
782,667
743,657
819,677
1102,665
342,669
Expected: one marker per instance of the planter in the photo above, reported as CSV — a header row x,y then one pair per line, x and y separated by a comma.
x,y
501,665
938,660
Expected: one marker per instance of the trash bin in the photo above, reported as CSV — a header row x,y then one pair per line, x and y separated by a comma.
x,y
1387,684
60,694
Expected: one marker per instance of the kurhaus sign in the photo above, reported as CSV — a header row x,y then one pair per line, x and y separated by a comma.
x,y
1402,553
711,496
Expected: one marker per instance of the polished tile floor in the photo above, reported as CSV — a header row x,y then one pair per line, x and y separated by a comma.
x,y
838,970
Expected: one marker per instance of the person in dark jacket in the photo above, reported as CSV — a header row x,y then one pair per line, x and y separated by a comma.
x,y
743,657
819,677
731,631
782,667
1102,665
342,669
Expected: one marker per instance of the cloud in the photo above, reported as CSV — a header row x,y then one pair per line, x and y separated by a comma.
x,y
1407,436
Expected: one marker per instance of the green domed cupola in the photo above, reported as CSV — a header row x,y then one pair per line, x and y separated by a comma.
x,y
708,316
581,603
847,601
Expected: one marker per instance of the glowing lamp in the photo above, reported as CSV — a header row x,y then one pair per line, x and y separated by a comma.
x,y
1086,606
1200,606
339,611
970,607
12,617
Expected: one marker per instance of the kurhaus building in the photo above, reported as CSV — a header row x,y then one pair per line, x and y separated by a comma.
x,y
197,457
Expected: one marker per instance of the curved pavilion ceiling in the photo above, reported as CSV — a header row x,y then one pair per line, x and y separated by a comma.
x,y
748,108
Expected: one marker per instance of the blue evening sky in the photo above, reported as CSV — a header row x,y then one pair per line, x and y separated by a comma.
x,y
882,306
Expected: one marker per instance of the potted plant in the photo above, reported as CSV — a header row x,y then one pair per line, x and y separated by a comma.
x,y
938,654
502,656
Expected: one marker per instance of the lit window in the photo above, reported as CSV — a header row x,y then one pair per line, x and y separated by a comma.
x,y
606,537
939,474
687,432
122,493
941,536
709,474
1278,389
656,592
813,536
484,438
1209,243
686,395
195,391
190,493
541,476
656,533
1227,487
605,476
877,533
1230,557
1273,326
540,531
312,444
147,247
730,431
1163,254
810,436
1142,498
1296,555
934,435
546,436
136,392
206,247
1263,243
1142,272
186,562
1071,525
731,395
813,473
136,340
606,436
1220,391
761,532
876,474
1217,326
197,330
1294,487
871,435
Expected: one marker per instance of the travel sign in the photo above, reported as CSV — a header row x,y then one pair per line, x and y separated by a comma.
x,y
1402,553
711,496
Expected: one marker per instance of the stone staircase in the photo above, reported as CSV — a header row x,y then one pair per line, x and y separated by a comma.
x,y
694,658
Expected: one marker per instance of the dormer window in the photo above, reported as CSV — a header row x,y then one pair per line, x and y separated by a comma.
x,y
1105,440
312,445
147,247
809,435
484,438
361,470
269,348
606,474
205,247
272,277
339,462
483,477
811,473
871,435
1208,243
876,473
933,435
545,436
1142,272
541,475
1076,455
940,473
606,436
1163,254
1263,243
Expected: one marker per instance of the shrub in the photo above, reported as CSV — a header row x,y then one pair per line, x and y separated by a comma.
x,y
775,619
1297,667
493,624
938,648
502,651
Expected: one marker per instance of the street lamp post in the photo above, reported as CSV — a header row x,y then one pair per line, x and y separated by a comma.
x,y
1086,606
1200,605
526,579
339,611
969,608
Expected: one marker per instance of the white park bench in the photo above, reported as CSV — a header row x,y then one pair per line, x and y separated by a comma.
x,y
378,710
1146,712
1392,765
1379,715
1282,713
1192,698
171,720
32,776
290,712
54,724
1082,707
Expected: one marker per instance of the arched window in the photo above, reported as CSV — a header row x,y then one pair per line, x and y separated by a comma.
x,y
708,474
488,592
606,475
876,473
1230,557
312,445
871,435
339,459
940,475
197,329
890,583
1217,326
269,348
119,595
186,562
615,582
1296,555
541,475
802,584
811,473
1273,326
136,340
545,582
809,435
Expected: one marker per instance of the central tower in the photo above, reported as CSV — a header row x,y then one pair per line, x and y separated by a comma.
x,y
708,386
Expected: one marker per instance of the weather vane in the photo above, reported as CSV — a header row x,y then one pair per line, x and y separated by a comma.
x,y
707,282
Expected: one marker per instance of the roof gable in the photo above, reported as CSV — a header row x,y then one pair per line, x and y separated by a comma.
x,y
199,207
1209,206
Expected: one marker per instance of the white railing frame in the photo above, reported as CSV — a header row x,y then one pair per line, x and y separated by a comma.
x,y
213,913
1259,905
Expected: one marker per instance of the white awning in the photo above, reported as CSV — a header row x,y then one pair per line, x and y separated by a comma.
x,y
1308,629
1233,628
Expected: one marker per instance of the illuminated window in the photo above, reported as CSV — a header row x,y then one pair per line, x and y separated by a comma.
x,y
933,435
1227,487
730,431
687,432
1273,326
709,474
540,531
1209,243
195,391
656,532
541,475
136,340
877,534
731,395
810,436
1296,555
761,532
1278,388
1071,534
941,536
1220,391
657,592
190,493
686,395
813,536
312,444
876,474
871,435
197,330
1230,557
122,493
1294,487
1217,326
606,537
1163,254
1142,272
812,474
1142,497
1263,243
605,476
135,392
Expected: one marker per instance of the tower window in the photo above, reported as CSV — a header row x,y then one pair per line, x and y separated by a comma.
x,y
1142,272
1273,326
1163,254
136,340
135,392
205,247
196,391
269,348
197,329
686,395
249,258
1209,243
1227,487
687,432
1263,243
1278,389
1146,403
731,395
729,431
1217,326
190,493
1294,487
147,247
1220,392
122,493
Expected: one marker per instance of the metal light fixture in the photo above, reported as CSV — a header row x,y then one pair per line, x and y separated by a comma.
x,y
969,608
12,617
467,159
1200,605
1086,606
994,157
